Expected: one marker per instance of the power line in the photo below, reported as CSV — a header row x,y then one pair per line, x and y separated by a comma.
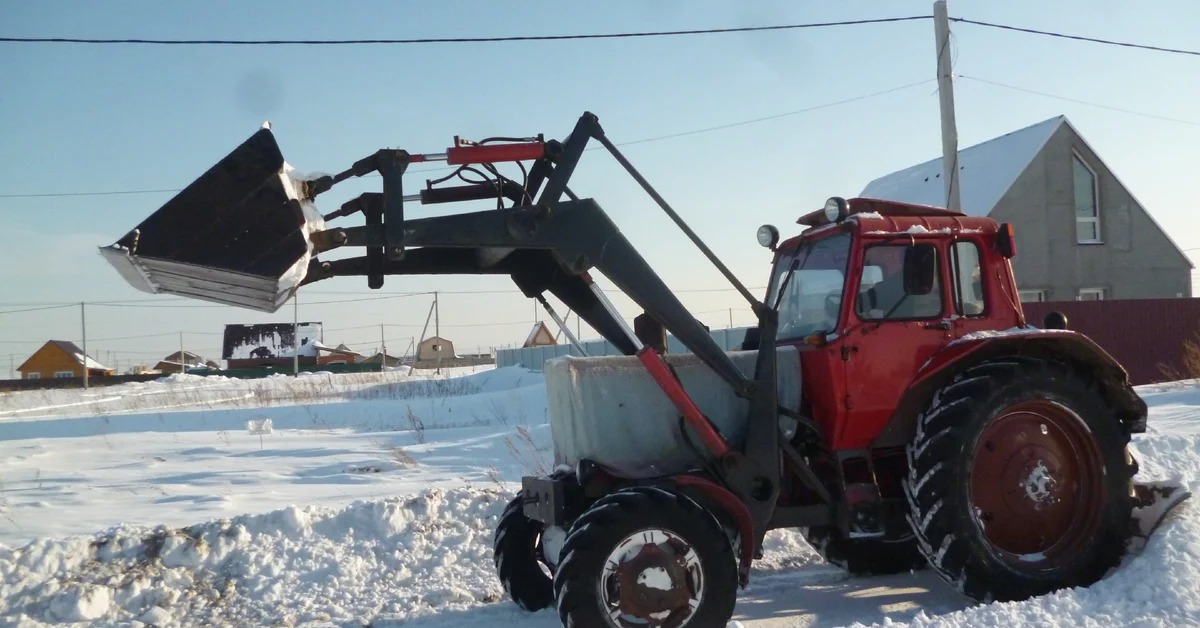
x,y
1095,40
1079,102
779,115
450,40
39,309
629,143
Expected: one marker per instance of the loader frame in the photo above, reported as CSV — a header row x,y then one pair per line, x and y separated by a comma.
x,y
548,240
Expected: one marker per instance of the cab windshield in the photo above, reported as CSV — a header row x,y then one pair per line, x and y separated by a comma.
x,y
810,279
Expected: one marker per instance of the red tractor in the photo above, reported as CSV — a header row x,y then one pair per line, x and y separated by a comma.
x,y
892,402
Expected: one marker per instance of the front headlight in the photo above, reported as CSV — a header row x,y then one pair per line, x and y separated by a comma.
x,y
836,209
768,236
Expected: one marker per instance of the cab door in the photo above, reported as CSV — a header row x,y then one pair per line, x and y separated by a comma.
x,y
898,320
969,284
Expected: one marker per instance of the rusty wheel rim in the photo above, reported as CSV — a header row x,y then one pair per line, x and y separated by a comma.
x,y
651,578
1036,485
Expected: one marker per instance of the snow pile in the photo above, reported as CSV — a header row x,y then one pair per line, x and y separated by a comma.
x,y
395,558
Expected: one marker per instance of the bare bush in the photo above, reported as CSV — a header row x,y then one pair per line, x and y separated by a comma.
x,y
526,452
417,425
1189,361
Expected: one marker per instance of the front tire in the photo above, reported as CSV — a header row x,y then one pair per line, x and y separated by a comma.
x,y
515,551
646,556
1019,483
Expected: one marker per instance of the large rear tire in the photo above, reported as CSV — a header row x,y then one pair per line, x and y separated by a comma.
x,y
516,552
646,556
1019,483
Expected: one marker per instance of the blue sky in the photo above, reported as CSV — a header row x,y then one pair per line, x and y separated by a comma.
x,y
111,118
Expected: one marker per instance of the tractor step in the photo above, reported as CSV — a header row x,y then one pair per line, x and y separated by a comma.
x,y
1152,504
237,235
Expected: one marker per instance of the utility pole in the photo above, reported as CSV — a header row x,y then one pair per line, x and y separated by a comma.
x,y
296,333
941,29
437,330
731,318
180,353
83,327
382,349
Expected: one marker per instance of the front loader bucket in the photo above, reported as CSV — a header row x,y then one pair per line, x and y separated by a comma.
x,y
237,235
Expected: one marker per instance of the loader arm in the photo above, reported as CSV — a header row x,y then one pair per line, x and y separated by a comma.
x,y
543,241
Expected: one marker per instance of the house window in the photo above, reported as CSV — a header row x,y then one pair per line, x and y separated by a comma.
x,y
1087,205
1092,294
33,376
1032,296
64,374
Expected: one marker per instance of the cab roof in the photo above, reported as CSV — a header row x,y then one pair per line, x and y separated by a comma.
x,y
878,206
877,217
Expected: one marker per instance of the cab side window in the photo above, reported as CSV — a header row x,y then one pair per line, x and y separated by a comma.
x,y
900,282
968,279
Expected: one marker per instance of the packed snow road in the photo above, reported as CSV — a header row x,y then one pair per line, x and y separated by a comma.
x,y
374,500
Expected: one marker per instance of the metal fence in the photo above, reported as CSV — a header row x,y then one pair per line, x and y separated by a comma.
x,y
534,357
1149,337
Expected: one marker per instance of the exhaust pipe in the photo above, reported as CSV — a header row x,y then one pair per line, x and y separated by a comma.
x,y
237,235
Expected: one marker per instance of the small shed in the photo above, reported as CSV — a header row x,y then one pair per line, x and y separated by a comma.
x,y
539,336
435,348
61,358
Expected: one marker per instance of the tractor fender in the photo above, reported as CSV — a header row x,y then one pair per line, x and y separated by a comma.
x,y
710,492
1056,344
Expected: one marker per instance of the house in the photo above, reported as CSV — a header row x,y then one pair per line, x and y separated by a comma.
x,y
61,358
171,363
1081,235
539,336
388,360
435,348
340,354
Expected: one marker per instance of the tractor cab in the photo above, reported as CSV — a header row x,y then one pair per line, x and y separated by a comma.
x,y
871,291
866,262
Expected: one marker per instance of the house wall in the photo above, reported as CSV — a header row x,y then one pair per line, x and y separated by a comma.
x,y
1136,259
47,361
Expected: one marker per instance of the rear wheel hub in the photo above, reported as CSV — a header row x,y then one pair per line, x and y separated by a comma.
x,y
1036,484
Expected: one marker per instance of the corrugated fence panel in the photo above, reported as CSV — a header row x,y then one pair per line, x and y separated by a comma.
x,y
534,357
1145,335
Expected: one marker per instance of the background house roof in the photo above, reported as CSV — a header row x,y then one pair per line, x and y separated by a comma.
x,y
533,333
986,171
73,351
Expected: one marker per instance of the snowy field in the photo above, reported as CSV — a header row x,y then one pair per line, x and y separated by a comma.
x,y
373,500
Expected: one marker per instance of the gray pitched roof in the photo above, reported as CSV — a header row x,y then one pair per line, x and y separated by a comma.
x,y
986,171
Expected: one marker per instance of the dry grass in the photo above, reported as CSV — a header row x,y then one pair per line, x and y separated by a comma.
x,y
1189,366
527,453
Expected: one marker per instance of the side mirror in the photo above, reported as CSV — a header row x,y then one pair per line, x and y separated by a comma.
x,y
750,340
920,269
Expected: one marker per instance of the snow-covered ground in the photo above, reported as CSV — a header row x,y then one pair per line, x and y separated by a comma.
x,y
374,497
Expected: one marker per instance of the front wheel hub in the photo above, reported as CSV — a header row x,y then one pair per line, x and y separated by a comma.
x,y
651,578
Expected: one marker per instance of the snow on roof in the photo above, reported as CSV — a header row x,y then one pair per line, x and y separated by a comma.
x,y
986,171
